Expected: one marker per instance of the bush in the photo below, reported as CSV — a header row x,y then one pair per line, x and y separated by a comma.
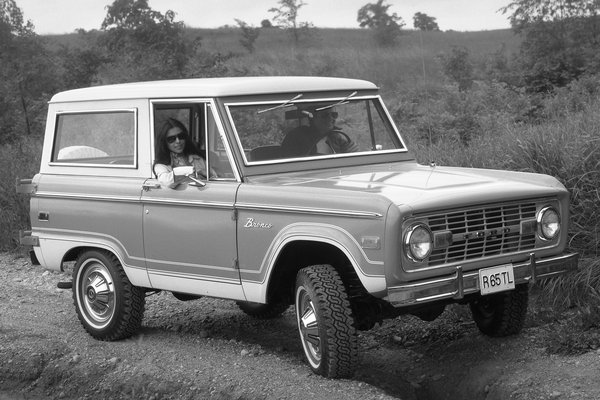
x,y
568,147
20,159
458,67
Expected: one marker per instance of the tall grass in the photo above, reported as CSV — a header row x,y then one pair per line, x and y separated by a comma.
x,y
562,141
352,53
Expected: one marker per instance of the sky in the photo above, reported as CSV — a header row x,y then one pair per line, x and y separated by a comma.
x,y
65,16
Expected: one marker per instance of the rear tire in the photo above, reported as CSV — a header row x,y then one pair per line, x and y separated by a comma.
x,y
108,306
325,322
501,314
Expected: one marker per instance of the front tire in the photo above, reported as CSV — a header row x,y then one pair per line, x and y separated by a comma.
x,y
325,322
108,306
501,314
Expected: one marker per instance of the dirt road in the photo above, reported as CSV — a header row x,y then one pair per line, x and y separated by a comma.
x,y
208,349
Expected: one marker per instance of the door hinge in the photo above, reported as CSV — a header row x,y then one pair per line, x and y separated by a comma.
x,y
234,215
236,263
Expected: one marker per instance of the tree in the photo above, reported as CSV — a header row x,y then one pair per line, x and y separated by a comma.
x,y
424,22
265,23
458,67
150,44
12,21
26,74
375,16
80,66
249,35
560,42
286,16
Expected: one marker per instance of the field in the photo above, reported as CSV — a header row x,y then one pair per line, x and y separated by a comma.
x,y
352,53
490,125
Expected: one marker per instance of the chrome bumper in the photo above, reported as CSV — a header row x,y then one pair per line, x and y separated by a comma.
x,y
460,284
27,239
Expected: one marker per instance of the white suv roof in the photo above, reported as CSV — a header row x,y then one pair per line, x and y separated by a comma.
x,y
212,87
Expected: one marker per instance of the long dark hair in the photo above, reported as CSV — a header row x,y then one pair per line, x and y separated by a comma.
x,y
163,154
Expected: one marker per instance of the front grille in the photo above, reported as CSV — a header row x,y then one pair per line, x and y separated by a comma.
x,y
483,232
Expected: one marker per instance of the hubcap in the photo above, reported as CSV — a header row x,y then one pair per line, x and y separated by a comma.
x,y
97,293
91,294
309,327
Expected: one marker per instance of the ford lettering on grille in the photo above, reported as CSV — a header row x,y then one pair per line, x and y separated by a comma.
x,y
483,232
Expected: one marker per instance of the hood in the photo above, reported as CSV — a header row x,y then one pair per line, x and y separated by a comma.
x,y
418,186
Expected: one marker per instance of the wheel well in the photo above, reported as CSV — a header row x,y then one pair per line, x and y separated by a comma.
x,y
72,254
300,254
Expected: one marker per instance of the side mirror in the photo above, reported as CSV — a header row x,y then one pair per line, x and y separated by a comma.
x,y
195,181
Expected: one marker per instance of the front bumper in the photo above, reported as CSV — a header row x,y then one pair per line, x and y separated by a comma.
x,y
460,284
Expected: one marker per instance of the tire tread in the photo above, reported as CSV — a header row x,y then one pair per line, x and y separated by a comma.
x,y
342,340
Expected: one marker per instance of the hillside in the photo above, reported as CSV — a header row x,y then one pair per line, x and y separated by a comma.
x,y
335,52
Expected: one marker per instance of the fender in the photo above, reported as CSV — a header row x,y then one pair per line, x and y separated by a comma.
x,y
56,243
370,272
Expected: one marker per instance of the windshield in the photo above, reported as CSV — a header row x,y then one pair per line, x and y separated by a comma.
x,y
292,129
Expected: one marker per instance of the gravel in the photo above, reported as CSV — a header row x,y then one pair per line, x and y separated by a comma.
x,y
209,349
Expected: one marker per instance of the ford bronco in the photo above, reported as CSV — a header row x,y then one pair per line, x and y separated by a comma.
x,y
313,200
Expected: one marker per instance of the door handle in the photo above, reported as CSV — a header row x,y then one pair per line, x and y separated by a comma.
x,y
150,185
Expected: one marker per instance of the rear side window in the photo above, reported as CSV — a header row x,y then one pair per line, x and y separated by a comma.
x,y
96,138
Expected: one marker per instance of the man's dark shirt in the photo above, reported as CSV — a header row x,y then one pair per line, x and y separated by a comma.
x,y
302,141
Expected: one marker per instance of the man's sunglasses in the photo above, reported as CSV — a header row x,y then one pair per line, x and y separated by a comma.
x,y
180,136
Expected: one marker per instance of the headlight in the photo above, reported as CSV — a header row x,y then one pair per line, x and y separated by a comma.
x,y
548,223
418,242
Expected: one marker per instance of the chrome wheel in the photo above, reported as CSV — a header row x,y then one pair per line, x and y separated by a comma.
x,y
108,306
97,295
308,326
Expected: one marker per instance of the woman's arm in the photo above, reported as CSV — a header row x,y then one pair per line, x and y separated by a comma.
x,y
166,176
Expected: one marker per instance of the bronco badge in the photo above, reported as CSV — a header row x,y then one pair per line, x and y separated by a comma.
x,y
251,223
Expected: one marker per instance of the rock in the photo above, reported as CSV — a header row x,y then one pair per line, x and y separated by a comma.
x,y
415,385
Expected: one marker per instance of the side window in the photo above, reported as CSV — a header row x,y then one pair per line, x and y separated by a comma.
x,y
200,127
96,138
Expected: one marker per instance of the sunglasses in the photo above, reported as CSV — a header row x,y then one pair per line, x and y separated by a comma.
x,y
331,114
180,136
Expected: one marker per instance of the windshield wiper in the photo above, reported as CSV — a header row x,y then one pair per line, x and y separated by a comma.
x,y
343,101
288,103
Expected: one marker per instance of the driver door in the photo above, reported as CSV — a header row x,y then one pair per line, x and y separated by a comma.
x,y
190,231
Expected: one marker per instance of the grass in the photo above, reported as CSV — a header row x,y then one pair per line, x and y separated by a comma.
x,y
564,143
352,53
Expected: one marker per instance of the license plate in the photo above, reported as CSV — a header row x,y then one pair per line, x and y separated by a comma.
x,y
496,279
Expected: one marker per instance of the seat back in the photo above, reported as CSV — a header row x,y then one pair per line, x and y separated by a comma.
x,y
264,153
